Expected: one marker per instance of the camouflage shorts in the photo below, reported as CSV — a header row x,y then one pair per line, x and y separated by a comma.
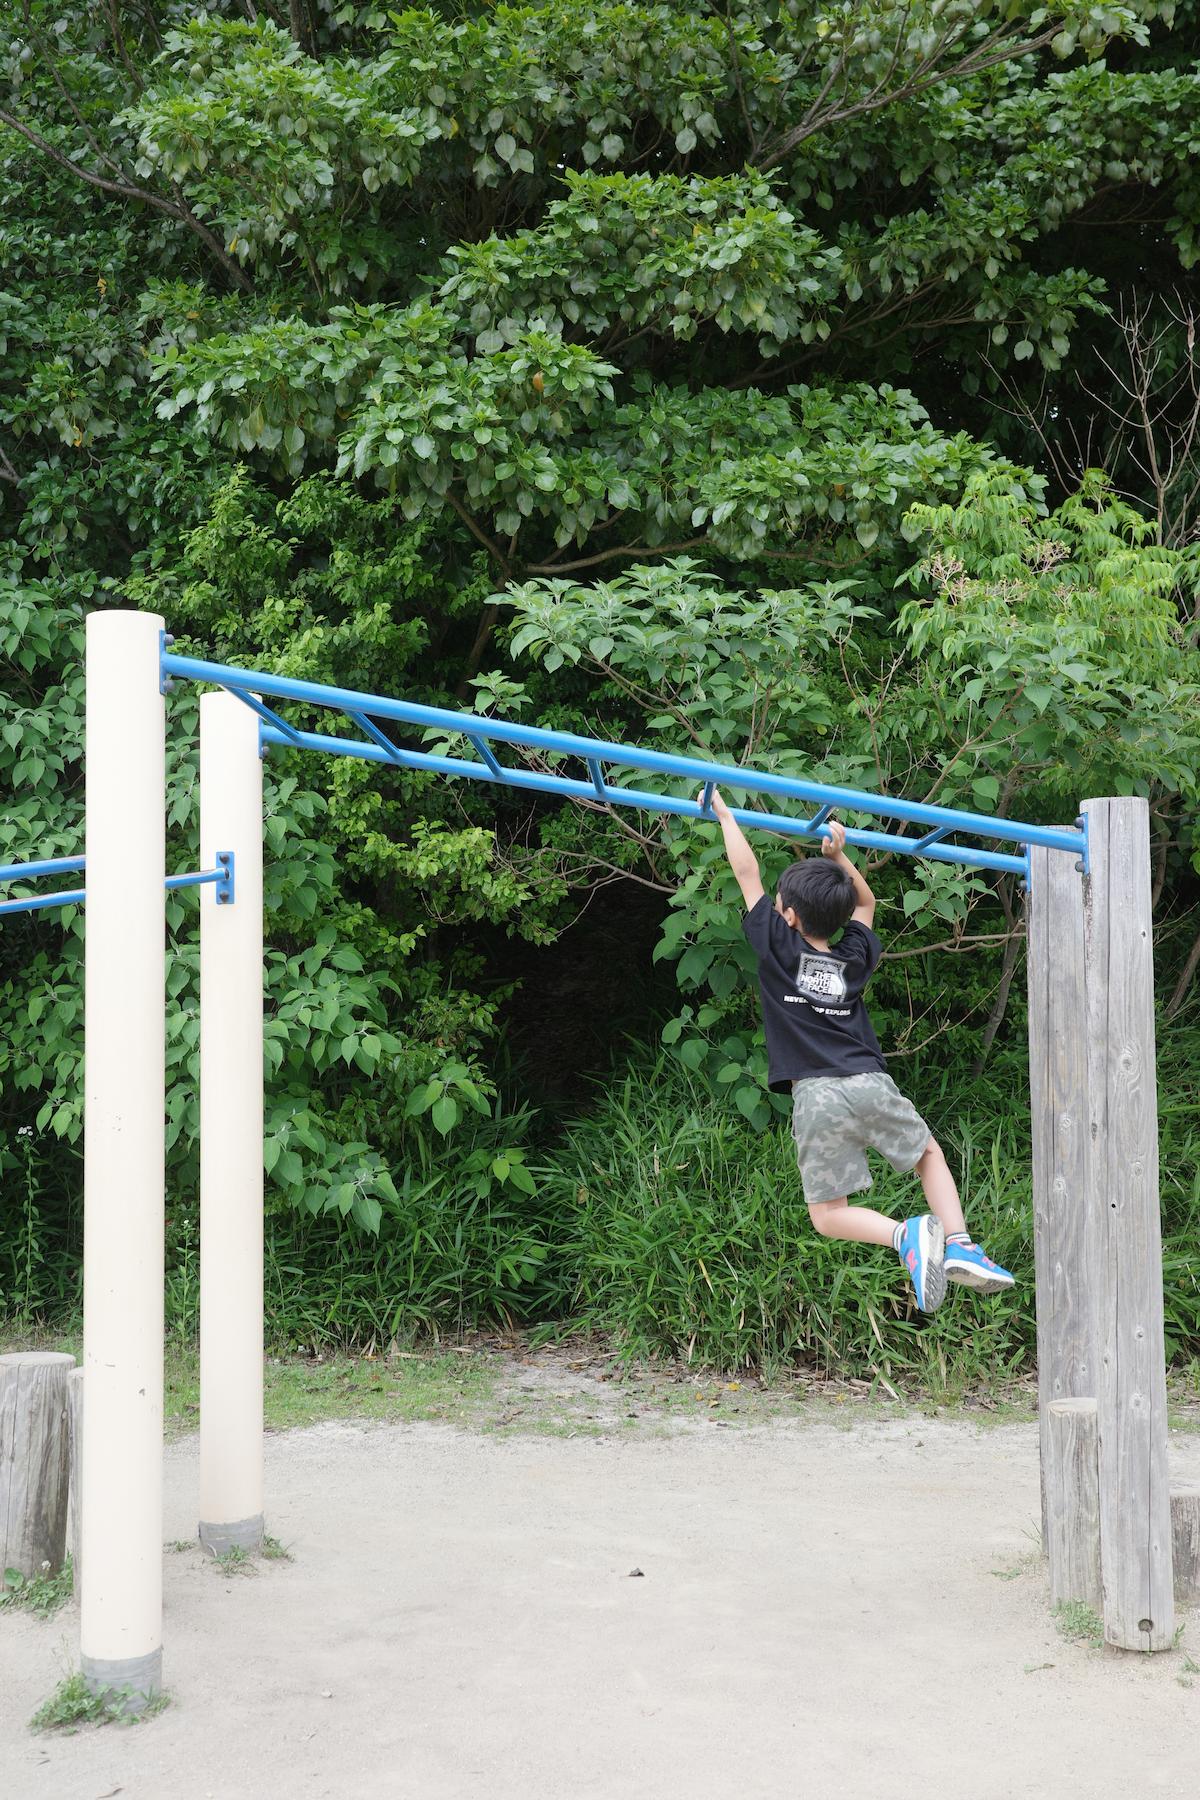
x,y
837,1118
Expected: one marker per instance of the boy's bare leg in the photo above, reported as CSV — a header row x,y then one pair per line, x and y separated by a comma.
x,y
941,1191
838,1219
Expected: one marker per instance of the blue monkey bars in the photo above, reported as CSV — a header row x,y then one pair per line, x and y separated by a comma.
x,y
222,876
484,734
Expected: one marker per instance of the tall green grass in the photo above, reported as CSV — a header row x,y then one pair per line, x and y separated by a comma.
x,y
688,1235
689,1238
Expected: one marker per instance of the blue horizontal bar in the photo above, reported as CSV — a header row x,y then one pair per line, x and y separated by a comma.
x,y
198,880
54,866
693,769
664,803
222,876
35,902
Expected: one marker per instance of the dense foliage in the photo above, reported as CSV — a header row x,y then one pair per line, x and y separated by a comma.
x,y
814,385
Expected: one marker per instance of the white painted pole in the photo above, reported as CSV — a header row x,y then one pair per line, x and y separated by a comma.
x,y
124,1151
231,1132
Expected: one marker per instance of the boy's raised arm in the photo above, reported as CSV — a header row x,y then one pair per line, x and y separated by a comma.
x,y
742,859
834,847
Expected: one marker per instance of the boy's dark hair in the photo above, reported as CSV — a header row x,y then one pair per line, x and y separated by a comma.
x,y
821,894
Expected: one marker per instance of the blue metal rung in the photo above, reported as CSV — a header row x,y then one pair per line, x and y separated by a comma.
x,y
264,712
706,799
818,819
931,837
381,737
597,775
485,750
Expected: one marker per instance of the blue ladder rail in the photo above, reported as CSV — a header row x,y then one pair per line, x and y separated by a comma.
x,y
599,758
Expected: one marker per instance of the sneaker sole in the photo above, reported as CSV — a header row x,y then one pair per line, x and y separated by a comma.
x,y
978,1282
933,1251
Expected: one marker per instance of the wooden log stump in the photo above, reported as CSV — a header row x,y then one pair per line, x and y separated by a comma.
x,y
35,1461
1185,1542
1071,1476
75,1506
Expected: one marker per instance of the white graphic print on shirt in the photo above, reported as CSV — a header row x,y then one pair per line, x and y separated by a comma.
x,y
822,977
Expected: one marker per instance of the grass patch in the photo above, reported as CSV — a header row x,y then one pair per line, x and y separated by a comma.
x,y
41,1594
73,1704
273,1551
1078,1623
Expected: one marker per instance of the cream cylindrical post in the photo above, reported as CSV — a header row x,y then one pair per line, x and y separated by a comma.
x,y
231,1131
120,1630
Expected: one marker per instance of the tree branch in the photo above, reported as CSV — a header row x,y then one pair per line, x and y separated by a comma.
x,y
128,190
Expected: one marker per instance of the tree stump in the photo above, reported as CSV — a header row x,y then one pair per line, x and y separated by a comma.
x,y
1072,1489
75,1507
35,1461
1185,1542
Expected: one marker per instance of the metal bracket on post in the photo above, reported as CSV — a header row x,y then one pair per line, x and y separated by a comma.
x,y
1084,865
225,885
165,640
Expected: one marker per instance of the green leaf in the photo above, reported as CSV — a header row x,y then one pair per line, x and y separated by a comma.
x,y
445,1114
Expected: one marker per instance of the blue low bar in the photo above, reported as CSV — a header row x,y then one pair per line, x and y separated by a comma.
x,y
25,871
35,902
223,877
198,880
691,769
968,856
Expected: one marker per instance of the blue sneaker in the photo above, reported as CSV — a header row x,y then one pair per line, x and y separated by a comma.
x,y
967,1264
922,1250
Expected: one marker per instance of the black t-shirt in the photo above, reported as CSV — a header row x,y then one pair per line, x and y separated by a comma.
x,y
813,1013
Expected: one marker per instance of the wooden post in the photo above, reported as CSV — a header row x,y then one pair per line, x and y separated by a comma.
x,y
35,1461
1071,1485
1064,1234
75,1506
1135,1517
1185,1543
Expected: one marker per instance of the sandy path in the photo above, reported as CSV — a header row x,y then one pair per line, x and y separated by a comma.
x,y
818,1617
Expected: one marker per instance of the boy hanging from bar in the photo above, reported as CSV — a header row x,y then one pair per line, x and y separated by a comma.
x,y
822,1048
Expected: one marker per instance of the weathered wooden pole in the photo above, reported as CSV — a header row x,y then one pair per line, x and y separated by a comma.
x,y
35,1461
1135,1512
1064,1227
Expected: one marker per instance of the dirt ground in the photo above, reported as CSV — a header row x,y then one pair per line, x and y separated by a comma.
x,y
603,1601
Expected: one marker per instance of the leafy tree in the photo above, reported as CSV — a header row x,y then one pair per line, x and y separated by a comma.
x,y
719,376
